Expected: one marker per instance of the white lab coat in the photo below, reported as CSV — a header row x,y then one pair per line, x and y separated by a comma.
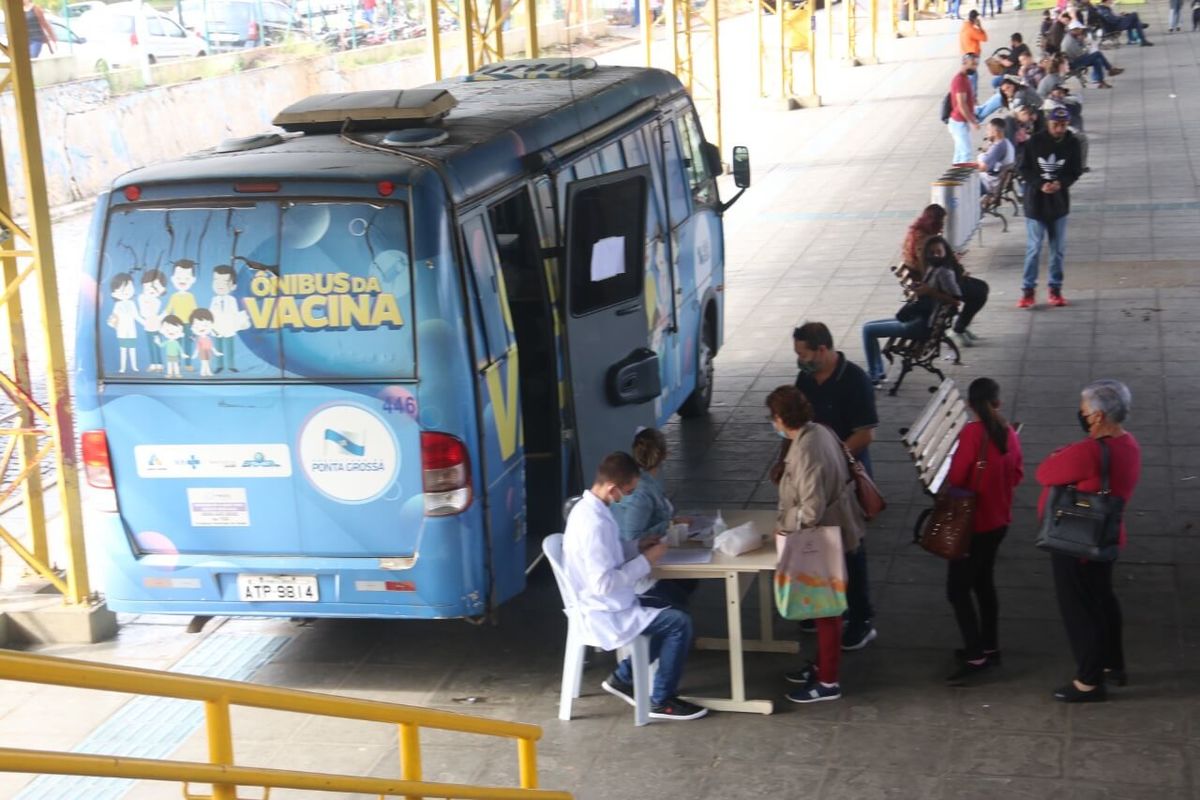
x,y
605,575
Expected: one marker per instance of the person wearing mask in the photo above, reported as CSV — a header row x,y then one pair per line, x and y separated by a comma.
x,y
646,513
39,30
1089,607
816,490
935,285
987,461
606,574
1077,54
962,109
842,398
1050,164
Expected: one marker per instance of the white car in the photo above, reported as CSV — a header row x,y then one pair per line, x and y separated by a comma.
x,y
114,27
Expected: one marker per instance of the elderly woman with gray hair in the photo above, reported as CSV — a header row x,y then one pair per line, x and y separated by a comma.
x,y
1085,588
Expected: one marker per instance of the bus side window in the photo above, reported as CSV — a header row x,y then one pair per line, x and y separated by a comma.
x,y
489,288
677,185
700,181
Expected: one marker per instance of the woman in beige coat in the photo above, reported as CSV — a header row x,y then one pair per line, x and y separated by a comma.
x,y
816,490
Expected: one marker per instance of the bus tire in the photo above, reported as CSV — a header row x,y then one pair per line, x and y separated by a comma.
x,y
701,397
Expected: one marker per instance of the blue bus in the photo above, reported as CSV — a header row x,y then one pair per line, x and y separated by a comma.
x,y
351,368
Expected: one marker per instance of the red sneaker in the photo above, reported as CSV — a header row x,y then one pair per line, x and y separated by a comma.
x,y
1026,300
1056,298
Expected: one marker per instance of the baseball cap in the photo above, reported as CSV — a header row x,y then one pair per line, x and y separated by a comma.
x,y
1019,107
1015,80
1059,113
1075,25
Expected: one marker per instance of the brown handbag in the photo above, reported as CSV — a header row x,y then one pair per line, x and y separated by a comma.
x,y
869,497
945,530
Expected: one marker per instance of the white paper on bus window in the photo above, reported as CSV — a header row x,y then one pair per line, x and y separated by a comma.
x,y
608,258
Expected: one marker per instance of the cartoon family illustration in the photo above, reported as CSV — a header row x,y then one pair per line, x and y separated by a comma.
x,y
165,330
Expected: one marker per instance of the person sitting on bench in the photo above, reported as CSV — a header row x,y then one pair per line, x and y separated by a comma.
x,y
1135,29
936,285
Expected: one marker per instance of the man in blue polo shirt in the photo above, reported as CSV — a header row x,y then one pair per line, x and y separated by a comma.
x,y
843,398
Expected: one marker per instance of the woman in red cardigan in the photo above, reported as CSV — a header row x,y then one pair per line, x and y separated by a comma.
x,y
987,461
1085,592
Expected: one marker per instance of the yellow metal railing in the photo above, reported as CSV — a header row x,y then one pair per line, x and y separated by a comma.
x,y
222,772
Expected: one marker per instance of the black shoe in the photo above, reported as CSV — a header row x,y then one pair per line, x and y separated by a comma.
x,y
233,369
217,370
993,656
677,709
803,676
858,638
965,671
1117,676
619,688
1147,44
1070,694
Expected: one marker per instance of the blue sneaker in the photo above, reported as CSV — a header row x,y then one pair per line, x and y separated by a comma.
x,y
816,692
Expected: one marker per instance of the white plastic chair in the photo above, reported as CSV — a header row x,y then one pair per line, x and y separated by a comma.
x,y
578,641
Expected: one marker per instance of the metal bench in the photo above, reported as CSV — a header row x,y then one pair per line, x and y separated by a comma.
x,y
931,439
991,202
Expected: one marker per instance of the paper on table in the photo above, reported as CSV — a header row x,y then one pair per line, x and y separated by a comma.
x,y
686,555
608,258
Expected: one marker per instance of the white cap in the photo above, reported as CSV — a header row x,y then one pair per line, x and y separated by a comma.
x,y
1075,25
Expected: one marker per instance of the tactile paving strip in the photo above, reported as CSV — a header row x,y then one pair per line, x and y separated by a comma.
x,y
154,727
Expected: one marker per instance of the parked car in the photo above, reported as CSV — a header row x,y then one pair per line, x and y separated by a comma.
x,y
114,27
89,56
236,24
79,9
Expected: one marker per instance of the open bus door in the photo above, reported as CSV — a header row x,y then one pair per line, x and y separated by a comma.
x,y
614,374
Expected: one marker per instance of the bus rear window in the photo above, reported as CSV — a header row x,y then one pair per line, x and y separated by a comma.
x,y
256,291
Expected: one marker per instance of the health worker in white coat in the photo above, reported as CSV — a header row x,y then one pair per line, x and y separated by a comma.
x,y
607,574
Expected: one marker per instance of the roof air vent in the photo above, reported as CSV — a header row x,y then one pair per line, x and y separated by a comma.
x,y
415,137
374,110
243,143
534,68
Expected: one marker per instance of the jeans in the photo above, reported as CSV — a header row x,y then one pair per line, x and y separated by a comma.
x,y
885,329
35,48
1035,231
1096,61
974,297
156,353
954,7
989,106
975,575
670,639
960,132
1091,614
858,590
1173,16
985,5
1132,25
675,594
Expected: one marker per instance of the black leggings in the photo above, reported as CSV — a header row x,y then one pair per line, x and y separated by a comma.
x,y
974,297
1092,615
975,574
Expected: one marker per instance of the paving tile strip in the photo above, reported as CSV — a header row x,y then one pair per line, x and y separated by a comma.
x,y
154,727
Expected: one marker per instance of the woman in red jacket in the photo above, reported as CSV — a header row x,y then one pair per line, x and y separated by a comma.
x,y
1085,592
987,461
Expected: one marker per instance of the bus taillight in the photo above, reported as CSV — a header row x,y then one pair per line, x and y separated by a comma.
x,y
446,473
96,466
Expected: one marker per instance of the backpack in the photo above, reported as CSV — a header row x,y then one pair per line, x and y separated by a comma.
x,y
946,108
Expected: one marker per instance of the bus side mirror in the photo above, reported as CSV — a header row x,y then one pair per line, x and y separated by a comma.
x,y
741,167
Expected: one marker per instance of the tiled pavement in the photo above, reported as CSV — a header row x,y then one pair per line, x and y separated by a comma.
x,y
812,240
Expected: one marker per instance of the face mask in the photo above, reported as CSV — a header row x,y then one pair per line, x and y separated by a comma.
x,y
782,434
937,261
1083,422
971,72
807,367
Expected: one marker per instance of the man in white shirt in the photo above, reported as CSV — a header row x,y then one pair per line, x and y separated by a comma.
x,y
1000,154
228,319
607,574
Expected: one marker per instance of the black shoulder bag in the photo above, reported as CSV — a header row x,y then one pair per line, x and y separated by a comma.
x,y
1081,524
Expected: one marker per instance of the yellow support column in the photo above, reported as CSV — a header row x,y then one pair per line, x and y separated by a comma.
x,y
647,34
913,7
760,47
433,30
41,246
466,20
799,34
872,56
410,754
531,29
714,22
851,7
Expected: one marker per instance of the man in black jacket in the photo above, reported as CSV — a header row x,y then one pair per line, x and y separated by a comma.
x,y
1050,163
